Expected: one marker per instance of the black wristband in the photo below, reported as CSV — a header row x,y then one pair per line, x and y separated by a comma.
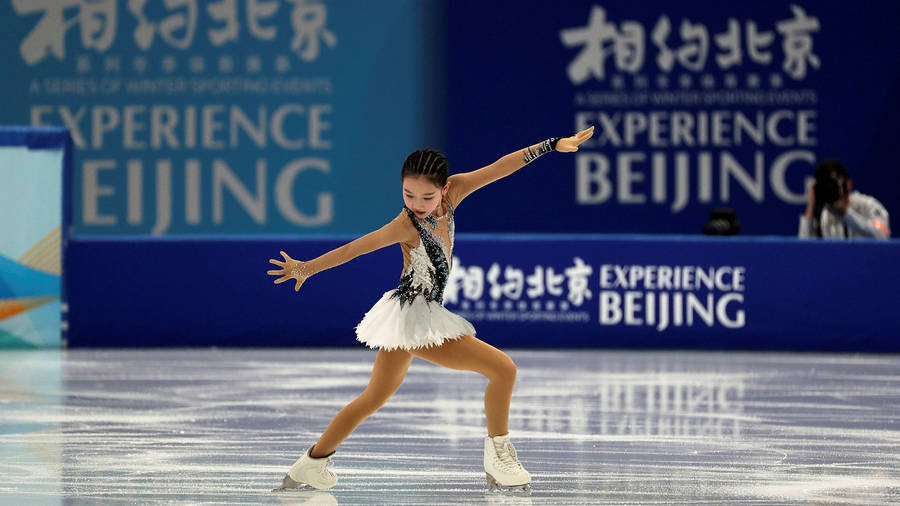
x,y
543,148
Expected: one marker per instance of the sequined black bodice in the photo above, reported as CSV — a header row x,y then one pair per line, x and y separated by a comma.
x,y
429,264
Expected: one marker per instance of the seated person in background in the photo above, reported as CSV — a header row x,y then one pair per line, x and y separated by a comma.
x,y
844,214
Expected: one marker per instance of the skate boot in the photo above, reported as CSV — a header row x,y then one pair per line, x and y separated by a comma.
x,y
310,472
504,472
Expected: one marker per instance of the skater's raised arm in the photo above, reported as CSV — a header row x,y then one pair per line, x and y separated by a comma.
x,y
461,185
398,230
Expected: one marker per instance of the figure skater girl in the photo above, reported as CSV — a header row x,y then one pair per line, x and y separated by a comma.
x,y
411,321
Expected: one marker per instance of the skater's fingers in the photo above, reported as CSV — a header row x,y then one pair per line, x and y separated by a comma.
x,y
277,262
282,279
286,257
297,285
585,134
276,272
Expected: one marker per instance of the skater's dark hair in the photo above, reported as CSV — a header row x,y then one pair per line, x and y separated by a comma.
x,y
428,163
831,181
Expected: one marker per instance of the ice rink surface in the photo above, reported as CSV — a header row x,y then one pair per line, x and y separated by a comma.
x,y
593,427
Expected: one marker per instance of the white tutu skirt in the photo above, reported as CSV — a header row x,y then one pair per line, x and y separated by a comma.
x,y
418,324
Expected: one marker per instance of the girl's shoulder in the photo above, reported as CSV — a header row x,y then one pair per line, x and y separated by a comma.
x,y
457,183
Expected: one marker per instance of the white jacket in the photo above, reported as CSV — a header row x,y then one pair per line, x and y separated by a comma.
x,y
865,217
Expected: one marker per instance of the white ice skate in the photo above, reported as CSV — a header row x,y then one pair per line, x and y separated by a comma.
x,y
310,472
504,472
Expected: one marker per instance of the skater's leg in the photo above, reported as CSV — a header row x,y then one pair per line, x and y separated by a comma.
x,y
387,375
501,464
471,354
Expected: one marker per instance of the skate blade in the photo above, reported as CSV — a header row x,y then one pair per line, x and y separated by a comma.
x,y
495,487
289,485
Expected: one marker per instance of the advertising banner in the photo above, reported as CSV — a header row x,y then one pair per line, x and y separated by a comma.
x,y
531,291
697,105
227,117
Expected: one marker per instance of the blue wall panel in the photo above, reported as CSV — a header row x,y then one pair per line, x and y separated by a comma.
x,y
671,88
195,117
791,295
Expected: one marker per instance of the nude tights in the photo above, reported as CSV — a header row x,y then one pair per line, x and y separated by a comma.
x,y
466,353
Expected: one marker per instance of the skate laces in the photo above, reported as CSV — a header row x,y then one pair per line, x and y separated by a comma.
x,y
506,454
324,471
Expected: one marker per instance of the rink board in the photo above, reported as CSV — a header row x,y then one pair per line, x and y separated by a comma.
x,y
35,166
518,290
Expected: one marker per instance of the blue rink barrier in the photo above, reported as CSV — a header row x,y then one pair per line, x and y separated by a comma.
x,y
542,291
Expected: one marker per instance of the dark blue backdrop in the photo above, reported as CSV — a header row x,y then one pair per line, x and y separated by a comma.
x,y
508,86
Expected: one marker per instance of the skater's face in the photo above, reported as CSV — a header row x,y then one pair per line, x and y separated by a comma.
x,y
421,196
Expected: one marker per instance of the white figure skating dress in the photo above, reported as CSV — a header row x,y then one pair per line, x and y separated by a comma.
x,y
413,315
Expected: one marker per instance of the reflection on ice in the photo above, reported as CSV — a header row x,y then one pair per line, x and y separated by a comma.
x,y
31,439
592,427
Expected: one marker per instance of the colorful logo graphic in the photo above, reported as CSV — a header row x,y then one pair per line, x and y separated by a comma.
x,y
30,246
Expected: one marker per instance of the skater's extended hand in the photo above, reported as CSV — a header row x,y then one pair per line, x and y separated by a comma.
x,y
290,269
569,144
